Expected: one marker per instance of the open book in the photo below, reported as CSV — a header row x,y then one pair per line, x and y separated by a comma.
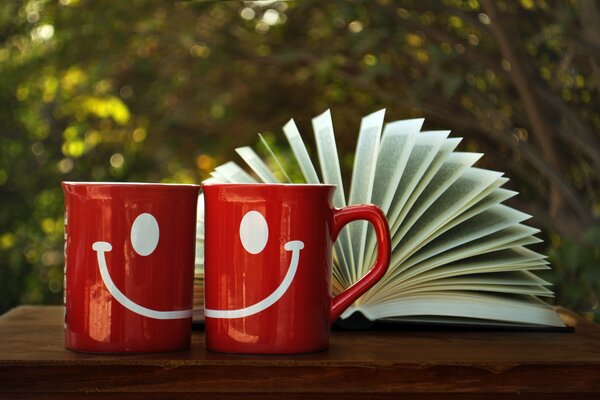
x,y
459,255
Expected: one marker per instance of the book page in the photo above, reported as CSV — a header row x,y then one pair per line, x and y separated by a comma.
x,y
211,180
217,177
340,278
397,142
525,278
501,240
488,222
454,166
256,164
509,308
328,156
494,198
460,192
361,187
330,171
199,254
483,262
490,196
482,195
275,159
441,253
300,153
485,223
519,281
231,172
467,208
456,270
445,151
475,287
429,147
425,149
526,241
423,274
463,322
396,145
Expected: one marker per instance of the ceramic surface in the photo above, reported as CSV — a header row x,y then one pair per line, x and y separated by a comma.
x,y
129,266
268,261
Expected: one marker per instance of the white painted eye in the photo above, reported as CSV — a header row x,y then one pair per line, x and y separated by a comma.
x,y
254,232
144,234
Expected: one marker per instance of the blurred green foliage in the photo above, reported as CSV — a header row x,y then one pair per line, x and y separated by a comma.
x,y
159,91
576,269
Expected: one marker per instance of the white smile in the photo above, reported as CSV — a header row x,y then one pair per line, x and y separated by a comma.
x,y
294,246
103,247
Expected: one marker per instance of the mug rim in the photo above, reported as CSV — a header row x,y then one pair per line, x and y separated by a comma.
x,y
264,184
91,183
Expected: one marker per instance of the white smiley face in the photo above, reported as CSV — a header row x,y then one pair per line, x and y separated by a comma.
x,y
254,235
144,236
254,232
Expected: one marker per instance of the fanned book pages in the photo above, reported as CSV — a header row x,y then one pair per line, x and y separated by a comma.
x,y
459,256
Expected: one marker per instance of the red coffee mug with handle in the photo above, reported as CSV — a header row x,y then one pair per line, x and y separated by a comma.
x,y
268,261
129,266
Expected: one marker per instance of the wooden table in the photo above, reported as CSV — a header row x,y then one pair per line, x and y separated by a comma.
x,y
406,363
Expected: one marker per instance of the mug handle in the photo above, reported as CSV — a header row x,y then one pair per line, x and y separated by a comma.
x,y
375,216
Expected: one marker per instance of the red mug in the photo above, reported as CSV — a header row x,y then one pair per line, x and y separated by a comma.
x,y
129,266
268,261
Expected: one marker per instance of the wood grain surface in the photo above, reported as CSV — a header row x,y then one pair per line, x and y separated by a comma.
x,y
417,364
